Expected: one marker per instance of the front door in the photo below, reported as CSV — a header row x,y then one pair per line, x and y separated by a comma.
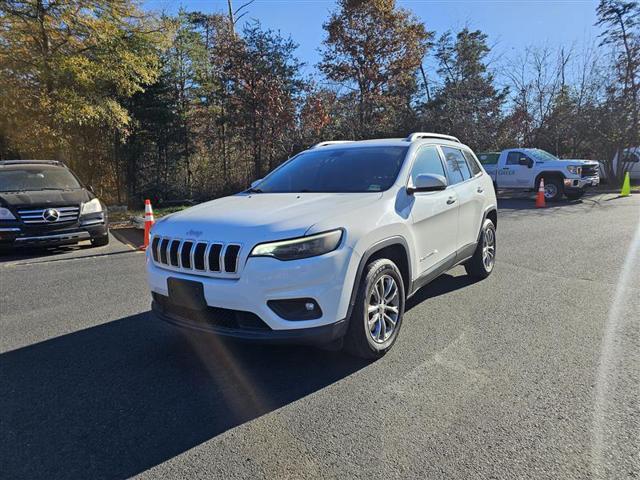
x,y
434,214
513,174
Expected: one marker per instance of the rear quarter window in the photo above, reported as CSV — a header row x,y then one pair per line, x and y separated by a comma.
x,y
472,162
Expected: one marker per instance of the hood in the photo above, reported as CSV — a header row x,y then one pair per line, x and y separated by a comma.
x,y
576,161
259,217
53,198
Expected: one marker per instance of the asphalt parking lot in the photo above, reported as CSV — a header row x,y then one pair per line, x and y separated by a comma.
x,y
532,373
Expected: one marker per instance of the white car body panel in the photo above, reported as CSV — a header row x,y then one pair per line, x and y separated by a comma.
x,y
429,228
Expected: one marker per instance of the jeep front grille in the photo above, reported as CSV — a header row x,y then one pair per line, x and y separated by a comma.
x,y
196,257
54,215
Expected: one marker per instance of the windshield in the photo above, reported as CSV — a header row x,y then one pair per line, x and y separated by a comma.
x,y
366,169
542,155
36,177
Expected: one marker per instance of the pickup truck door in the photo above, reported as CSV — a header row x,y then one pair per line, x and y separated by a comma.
x,y
434,215
516,172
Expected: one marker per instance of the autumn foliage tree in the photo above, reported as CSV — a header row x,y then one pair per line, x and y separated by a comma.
x,y
373,50
65,68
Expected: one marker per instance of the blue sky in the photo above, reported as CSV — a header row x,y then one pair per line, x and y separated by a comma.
x,y
511,25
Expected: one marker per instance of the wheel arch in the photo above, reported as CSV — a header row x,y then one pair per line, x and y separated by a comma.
x,y
395,249
547,174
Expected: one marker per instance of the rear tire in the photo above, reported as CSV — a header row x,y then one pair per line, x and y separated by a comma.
x,y
484,258
376,318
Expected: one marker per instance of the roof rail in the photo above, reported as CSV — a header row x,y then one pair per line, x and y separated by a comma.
x,y
421,135
31,162
332,142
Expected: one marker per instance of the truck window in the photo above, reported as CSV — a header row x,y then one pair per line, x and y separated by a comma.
x,y
427,161
472,162
488,158
514,158
456,165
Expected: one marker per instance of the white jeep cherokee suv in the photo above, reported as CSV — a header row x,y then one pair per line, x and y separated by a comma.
x,y
329,245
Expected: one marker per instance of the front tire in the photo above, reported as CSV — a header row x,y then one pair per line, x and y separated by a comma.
x,y
100,241
553,189
376,319
484,258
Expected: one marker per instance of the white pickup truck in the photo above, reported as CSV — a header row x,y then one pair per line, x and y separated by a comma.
x,y
522,169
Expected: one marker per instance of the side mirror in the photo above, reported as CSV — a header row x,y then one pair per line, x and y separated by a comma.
x,y
427,182
255,183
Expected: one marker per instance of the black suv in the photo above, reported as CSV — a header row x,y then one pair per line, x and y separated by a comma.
x,y
43,203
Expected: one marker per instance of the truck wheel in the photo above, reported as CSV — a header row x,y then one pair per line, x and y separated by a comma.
x,y
377,315
484,258
553,189
574,195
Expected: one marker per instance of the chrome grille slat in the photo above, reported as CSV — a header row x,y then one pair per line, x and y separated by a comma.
x,y
35,215
199,255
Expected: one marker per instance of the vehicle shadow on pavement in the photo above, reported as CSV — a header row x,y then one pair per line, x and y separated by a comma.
x,y
116,399
445,283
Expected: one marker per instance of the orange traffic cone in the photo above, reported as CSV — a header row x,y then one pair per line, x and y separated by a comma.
x,y
148,222
540,196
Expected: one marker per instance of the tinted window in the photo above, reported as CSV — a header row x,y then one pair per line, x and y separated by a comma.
x,y
365,169
514,158
456,165
36,177
471,161
427,161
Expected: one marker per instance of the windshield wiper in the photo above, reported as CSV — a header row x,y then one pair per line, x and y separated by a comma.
x,y
254,190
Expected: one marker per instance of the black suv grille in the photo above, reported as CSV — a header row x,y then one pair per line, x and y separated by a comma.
x,y
53,215
192,256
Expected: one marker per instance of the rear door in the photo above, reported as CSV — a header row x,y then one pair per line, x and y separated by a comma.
x,y
434,214
470,194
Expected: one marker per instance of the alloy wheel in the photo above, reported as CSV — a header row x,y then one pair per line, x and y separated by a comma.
x,y
383,309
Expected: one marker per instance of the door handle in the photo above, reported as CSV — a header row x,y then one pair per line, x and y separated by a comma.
x,y
451,200
480,189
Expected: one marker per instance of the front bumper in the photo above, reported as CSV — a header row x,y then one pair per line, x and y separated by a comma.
x,y
581,183
301,336
328,279
17,235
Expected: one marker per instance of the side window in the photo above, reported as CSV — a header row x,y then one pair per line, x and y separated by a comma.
x,y
514,158
456,165
427,161
472,162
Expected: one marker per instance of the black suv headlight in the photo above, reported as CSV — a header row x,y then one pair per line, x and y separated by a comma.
x,y
298,248
92,206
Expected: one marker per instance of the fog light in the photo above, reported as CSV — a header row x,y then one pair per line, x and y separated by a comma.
x,y
296,308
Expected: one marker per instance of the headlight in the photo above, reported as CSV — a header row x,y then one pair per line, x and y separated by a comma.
x,y
574,169
5,214
92,206
297,248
